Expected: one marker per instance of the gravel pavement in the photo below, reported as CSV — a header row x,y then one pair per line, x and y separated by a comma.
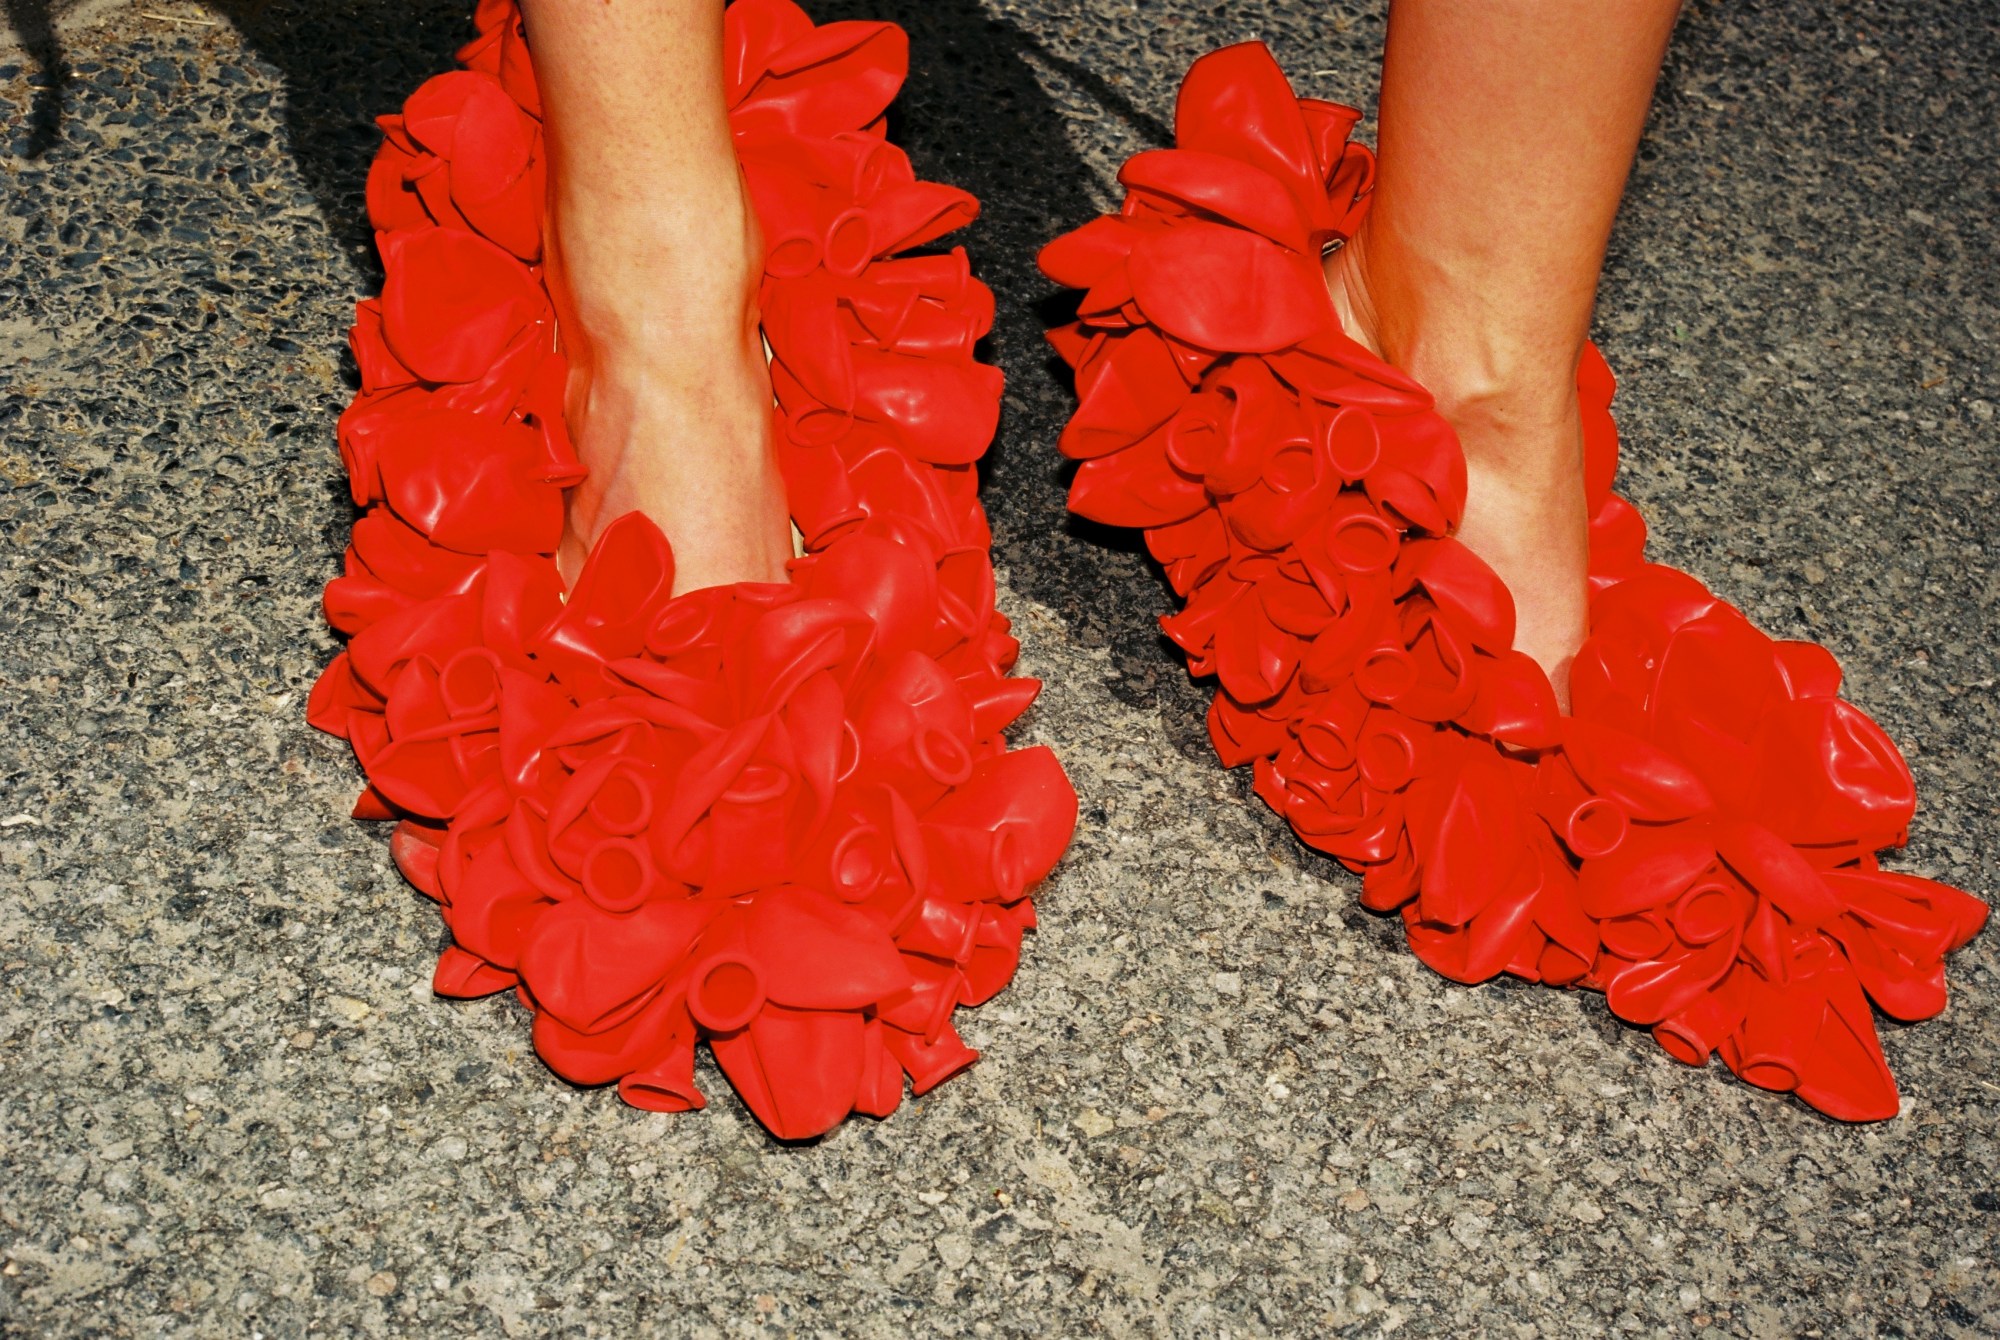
x,y
1220,1100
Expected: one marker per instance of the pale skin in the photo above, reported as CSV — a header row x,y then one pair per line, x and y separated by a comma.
x,y
1507,130
656,256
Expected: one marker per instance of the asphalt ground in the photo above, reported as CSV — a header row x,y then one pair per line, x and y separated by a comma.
x,y
1220,1099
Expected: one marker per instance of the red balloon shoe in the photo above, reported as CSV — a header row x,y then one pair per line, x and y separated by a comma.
x,y
1697,840
780,819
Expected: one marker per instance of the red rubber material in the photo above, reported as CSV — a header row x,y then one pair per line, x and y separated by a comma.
x,y
1697,840
780,819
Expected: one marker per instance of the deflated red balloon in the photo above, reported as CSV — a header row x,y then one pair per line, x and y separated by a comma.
x,y
1698,839
779,819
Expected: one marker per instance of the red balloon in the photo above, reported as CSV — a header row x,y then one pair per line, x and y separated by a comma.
x,y
1698,839
781,819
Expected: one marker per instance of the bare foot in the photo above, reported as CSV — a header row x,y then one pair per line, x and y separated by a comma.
x,y
669,396
1525,512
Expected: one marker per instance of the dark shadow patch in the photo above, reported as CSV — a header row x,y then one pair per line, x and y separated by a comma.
x,y
34,29
974,113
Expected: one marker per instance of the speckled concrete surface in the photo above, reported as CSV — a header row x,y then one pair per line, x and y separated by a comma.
x,y
1220,1100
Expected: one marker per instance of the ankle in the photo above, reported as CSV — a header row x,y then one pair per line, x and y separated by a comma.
x,y
1528,432
643,278
1432,318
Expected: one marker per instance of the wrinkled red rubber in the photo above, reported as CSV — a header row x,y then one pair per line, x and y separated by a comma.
x,y
1697,840
780,819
